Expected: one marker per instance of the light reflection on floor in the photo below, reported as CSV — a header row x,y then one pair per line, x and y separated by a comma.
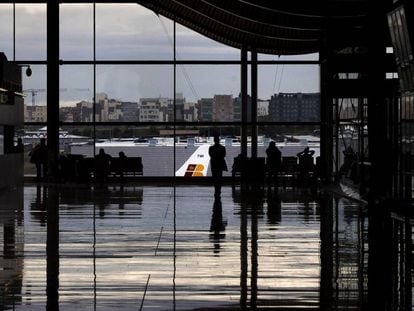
x,y
178,248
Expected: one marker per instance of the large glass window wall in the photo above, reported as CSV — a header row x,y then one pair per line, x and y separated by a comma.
x,y
131,77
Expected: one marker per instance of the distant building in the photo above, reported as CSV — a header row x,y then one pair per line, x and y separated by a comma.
x,y
190,112
179,106
205,109
150,110
237,108
35,113
295,107
84,112
167,108
67,114
107,109
262,108
223,108
129,111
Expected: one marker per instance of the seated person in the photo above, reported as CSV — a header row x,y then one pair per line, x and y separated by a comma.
x,y
273,161
305,161
120,168
102,165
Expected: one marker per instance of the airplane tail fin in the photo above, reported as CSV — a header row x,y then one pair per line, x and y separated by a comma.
x,y
197,163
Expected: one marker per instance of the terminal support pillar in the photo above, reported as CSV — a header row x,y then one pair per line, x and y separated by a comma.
x,y
326,142
254,103
53,87
378,139
243,89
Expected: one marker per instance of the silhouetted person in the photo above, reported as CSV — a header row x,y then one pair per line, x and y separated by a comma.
x,y
218,225
218,164
19,148
305,164
102,165
38,156
122,160
306,153
273,162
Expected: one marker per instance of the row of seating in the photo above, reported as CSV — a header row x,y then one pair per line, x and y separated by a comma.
x,y
255,169
77,167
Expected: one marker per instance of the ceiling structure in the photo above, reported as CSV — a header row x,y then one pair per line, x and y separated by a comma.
x,y
269,26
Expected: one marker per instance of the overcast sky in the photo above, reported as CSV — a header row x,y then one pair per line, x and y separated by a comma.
x,y
133,32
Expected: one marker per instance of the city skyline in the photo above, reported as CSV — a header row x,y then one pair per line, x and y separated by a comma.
x,y
220,107
142,35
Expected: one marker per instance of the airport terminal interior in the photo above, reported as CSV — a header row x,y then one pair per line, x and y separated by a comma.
x,y
115,193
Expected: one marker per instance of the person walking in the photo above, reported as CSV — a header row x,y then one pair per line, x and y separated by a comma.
x,y
38,156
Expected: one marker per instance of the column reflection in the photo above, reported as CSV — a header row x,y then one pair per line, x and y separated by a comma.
x,y
251,206
52,250
12,242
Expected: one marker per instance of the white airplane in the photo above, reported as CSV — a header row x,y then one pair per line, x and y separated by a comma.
x,y
197,163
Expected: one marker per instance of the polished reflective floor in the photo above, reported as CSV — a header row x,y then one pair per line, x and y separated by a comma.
x,y
161,247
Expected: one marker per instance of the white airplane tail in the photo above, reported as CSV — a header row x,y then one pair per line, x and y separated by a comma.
x,y
197,163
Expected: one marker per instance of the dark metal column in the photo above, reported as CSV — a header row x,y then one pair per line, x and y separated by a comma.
x,y
243,90
378,142
254,103
53,87
326,146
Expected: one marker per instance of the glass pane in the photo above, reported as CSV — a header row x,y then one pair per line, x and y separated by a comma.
x,y
6,30
311,56
212,89
30,31
289,139
34,87
192,45
76,31
130,31
151,143
273,79
192,145
134,93
348,108
76,93
292,92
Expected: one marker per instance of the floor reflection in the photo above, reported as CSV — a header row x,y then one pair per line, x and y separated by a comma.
x,y
218,225
182,248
